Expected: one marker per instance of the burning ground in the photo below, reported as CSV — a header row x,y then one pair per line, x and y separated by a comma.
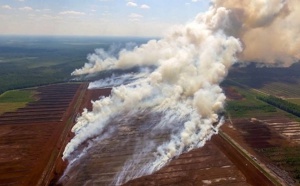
x,y
177,106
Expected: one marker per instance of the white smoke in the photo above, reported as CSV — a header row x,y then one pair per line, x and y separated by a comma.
x,y
116,80
269,30
191,61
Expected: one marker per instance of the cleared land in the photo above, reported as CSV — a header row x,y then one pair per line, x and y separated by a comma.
x,y
259,144
217,163
284,90
271,137
222,164
32,137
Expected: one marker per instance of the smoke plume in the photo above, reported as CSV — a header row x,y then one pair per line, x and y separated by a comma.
x,y
269,30
183,90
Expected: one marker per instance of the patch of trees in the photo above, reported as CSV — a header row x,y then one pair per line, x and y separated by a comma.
x,y
263,108
281,104
239,108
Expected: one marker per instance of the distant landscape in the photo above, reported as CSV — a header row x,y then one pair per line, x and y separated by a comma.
x,y
262,109
138,93
28,61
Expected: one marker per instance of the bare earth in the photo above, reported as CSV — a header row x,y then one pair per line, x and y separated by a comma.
x,y
217,163
32,140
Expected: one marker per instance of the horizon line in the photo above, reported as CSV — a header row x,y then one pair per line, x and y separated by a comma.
x,y
91,36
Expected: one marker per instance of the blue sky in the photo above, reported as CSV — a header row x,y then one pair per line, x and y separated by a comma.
x,y
96,17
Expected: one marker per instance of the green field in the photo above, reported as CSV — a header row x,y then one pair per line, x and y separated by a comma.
x,y
278,81
296,101
249,106
257,102
14,99
285,90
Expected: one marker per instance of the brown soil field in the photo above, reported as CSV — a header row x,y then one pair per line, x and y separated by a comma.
x,y
272,140
32,137
93,95
232,94
225,166
255,137
87,98
217,163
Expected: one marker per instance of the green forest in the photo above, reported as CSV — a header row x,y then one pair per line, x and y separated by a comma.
x,y
281,104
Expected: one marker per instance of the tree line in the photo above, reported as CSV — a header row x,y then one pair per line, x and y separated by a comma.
x,y
281,104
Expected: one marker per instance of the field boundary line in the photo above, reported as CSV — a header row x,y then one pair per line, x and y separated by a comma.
x,y
247,155
245,86
63,139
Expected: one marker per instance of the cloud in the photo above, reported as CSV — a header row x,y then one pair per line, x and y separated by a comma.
x,y
43,10
71,12
26,8
50,17
6,7
135,16
144,6
21,0
131,4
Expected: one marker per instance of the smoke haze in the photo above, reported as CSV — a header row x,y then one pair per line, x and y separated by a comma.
x,y
269,30
183,89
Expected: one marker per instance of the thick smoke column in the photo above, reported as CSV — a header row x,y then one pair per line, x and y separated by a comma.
x,y
269,30
191,61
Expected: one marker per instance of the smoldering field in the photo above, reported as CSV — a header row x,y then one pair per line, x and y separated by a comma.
x,y
176,106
